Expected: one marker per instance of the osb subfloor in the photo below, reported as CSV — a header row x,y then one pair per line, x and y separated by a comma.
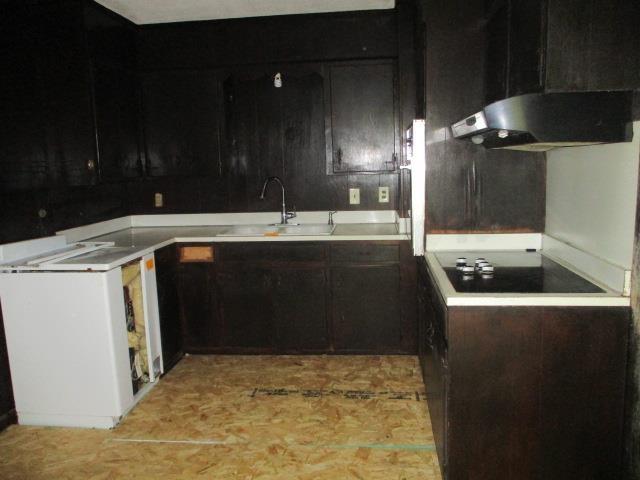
x,y
250,417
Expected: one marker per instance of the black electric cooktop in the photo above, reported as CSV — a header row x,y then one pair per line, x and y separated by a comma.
x,y
517,273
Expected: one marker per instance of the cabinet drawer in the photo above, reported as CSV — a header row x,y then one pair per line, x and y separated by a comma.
x,y
272,252
368,253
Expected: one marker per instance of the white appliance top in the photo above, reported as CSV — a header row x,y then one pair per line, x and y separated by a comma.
x,y
80,256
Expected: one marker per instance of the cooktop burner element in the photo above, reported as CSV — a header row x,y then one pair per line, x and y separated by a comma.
x,y
511,272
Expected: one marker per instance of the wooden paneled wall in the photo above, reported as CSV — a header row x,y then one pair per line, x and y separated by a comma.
x,y
469,188
201,46
238,49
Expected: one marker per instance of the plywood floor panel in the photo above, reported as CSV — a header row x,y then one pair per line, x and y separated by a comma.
x,y
250,417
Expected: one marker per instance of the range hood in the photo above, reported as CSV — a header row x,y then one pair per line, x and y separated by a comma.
x,y
542,121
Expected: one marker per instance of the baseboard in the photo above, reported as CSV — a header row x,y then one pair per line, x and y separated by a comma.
x,y
7,419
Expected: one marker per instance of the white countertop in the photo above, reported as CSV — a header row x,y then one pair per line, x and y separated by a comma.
x,y
157,237
453,298
132,237
131,243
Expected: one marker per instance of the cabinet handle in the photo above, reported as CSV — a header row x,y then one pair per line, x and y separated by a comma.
x,y
393,162
430,332
339,158
467,197
480,196
91,165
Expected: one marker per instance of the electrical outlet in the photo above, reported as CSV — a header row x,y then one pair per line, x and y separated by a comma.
x,y
354,196
158,201
383,194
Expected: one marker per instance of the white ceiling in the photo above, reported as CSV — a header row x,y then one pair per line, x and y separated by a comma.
x,y
160,11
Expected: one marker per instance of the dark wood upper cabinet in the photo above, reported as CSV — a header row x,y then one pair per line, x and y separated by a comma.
x,y
363,118
59,125
116,105
48,84
181,122
560,45
273,130
497,52
111,45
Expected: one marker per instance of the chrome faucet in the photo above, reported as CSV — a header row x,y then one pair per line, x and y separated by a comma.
x,y
284,215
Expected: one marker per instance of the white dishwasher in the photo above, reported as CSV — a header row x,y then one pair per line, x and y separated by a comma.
x,y
82,329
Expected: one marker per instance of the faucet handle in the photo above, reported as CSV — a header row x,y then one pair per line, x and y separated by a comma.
x,y
291,214
330,222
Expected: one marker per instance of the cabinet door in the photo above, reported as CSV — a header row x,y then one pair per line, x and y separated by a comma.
x,y
300,309
366,308
201,326
47,131
116,102
438,389
526,46
363,134
169,305
66,79
497,51
111,42
253,132
515,48
583,391
269,127
592,45
181,123
24,155
247,307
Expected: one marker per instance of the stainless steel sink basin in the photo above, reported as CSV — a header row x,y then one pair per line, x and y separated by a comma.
x,y
312,229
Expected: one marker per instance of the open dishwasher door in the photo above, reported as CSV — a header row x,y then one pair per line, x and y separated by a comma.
x,y
415,156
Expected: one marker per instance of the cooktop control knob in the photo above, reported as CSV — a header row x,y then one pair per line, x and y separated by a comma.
x,y
481,264
461,262
467,272
480,260
487,271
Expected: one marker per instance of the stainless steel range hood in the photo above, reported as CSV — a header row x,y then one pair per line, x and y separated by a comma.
x,y
542,121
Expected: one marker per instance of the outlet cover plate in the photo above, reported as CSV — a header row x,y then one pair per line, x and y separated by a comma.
x,y
354,196
383,194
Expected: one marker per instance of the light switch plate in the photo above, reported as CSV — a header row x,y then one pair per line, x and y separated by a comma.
x,y
354,196
383,194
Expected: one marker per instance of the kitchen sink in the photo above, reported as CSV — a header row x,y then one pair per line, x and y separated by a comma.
x,y
277,230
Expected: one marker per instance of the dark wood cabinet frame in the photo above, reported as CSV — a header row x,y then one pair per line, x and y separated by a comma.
x,y
252,298
523,392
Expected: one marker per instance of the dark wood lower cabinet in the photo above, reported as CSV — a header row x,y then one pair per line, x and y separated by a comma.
x,y
246,307
201,328
169,305
299,297
300,309
523,392
366,308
